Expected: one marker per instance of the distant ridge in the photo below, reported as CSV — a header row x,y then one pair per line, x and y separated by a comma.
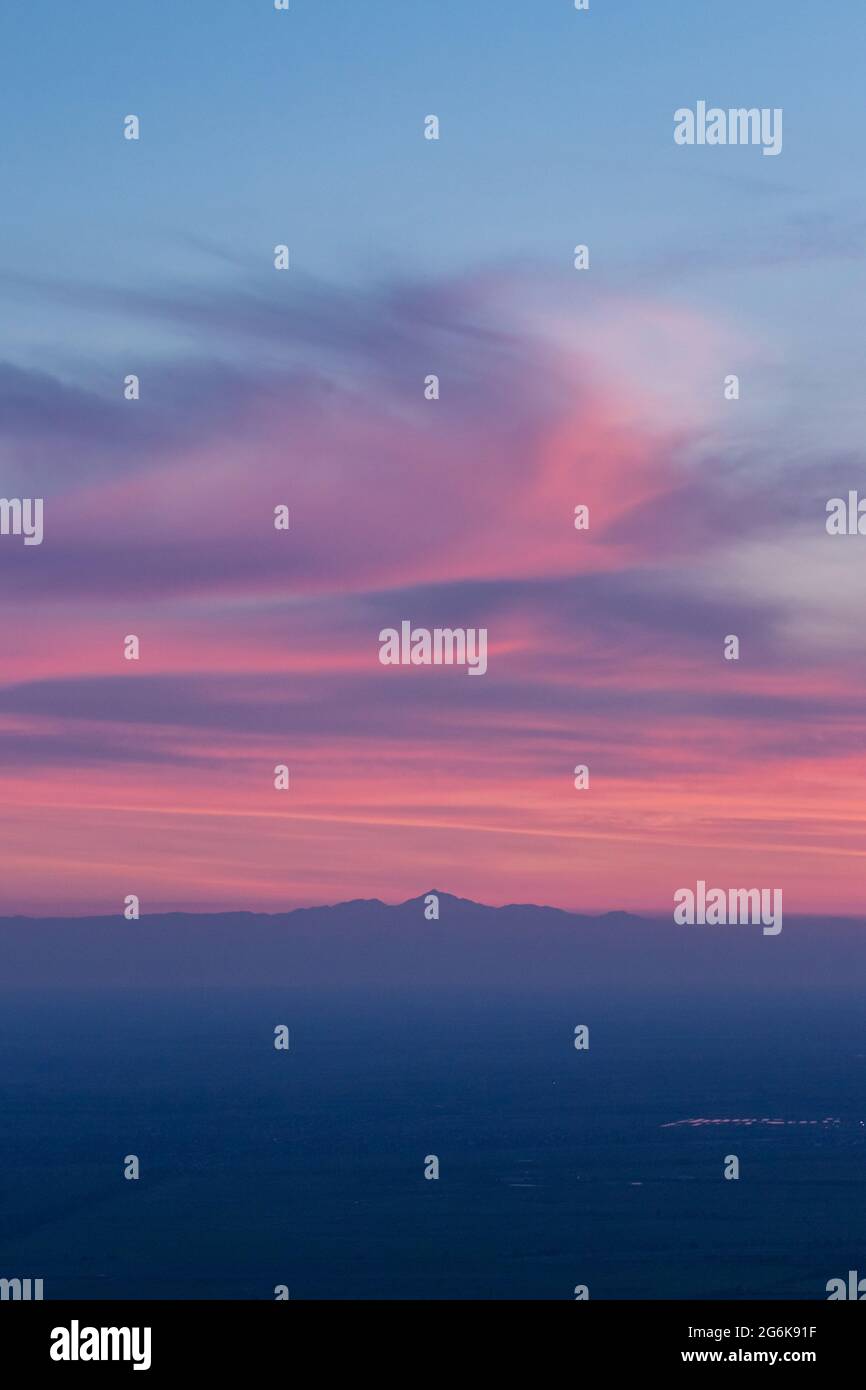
x,y
369,944
350,904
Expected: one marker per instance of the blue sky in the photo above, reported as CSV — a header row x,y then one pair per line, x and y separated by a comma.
x,y
306,127
308,123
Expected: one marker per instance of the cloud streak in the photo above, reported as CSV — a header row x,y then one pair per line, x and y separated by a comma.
x,y
260,646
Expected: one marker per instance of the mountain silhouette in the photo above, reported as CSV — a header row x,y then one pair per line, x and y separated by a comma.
x,y
368,944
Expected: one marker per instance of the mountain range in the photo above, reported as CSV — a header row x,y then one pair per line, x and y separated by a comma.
x,y
368,944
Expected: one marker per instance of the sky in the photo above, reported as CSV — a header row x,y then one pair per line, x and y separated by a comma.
x,y
558,387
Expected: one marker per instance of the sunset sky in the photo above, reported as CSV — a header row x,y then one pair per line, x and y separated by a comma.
x,y
558,387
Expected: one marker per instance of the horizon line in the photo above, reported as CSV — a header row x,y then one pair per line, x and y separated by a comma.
x,y
645,915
